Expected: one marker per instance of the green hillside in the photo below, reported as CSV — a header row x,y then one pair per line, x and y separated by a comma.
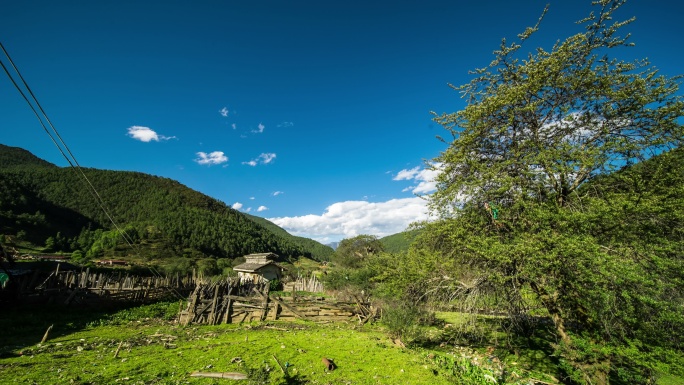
x,y
12,157
397,243
41,203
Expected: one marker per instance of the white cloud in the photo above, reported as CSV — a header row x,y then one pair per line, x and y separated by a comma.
x,y
216,157
262,208
285,124
424,177
267,158
407,174
146,134
251,198
276,193
351,218
264,158
240,206
224,112
234,126
260,129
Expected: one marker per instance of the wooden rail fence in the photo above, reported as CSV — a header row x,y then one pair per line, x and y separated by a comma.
x,y
310,284
231,302
73,287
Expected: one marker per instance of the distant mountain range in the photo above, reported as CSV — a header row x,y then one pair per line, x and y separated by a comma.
x,y
46,205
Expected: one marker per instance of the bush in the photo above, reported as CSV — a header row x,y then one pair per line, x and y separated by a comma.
x,y
405,320
275,285
360,279
165,311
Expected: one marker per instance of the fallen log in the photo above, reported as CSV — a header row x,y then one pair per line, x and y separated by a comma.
x,y
47,332
228,375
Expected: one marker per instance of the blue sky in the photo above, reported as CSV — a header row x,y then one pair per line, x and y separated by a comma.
x,y
314,114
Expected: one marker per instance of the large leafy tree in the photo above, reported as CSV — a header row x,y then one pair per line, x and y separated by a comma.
x,y
353,252
539,126
528,209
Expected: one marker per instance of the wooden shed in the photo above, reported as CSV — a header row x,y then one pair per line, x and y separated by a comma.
x,y
259,267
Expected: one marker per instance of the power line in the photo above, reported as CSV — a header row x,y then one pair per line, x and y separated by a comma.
x,y
71,159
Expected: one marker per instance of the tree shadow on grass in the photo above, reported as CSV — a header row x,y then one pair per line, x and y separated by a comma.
x,y
527,343
26,325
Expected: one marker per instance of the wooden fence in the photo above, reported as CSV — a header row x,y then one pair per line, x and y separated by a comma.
x,y
310,284
73,287
231,302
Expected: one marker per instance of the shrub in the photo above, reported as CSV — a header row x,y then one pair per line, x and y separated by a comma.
x,y
405,320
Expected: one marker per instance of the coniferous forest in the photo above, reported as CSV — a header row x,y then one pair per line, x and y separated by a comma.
x,y
51,206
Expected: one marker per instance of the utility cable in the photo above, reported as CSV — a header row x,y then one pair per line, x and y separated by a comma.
x,y
74,165
77,166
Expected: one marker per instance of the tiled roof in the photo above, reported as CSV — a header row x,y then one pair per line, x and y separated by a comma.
x,y
252,267
261,255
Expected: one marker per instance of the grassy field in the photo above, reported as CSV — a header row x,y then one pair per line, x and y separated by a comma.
x,y
145,346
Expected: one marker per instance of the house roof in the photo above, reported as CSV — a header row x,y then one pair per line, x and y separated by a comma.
x,y
253,267
261,255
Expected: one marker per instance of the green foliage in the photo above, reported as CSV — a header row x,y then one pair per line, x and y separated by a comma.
x,y
406,320
353,252
357,279
207,267
534,212
78,257
15,157
151,351
160,216
398,243
464,372
166,311
275,285
177,265
607,274
540,126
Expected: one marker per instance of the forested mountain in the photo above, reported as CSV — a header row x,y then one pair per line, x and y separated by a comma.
x,y
18,157
45,204
397,243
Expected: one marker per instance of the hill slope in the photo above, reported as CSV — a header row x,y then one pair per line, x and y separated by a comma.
x,y
400,242
164,218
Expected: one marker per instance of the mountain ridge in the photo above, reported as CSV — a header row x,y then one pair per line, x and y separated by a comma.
x,y
45,201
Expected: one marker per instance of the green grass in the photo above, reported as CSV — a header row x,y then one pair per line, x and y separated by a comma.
x,y
152,349
82,346
670,380
168,354
484,337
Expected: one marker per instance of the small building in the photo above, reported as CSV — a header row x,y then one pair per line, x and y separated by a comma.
x,y
53,258
112,262
259,267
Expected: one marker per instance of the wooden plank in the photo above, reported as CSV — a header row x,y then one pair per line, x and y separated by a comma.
x,y
212,314
71,296
229,307
293,311
245,316
276,308
265,305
